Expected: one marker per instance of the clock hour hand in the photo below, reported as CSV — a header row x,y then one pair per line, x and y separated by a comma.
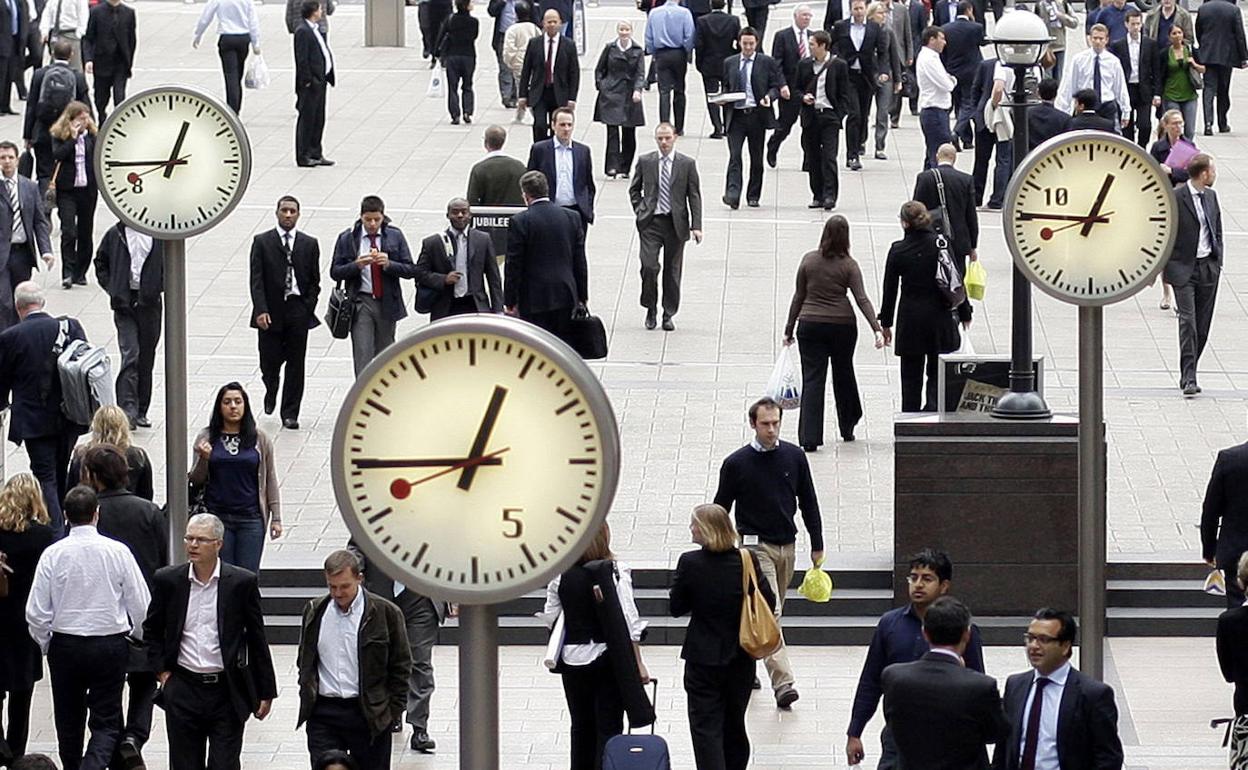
x,y
1094,214
365,463
483,436
1033,215
177,148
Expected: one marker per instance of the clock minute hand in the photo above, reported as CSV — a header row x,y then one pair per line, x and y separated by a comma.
x,y
1030,215
1094,214
483,436
177,148
365,463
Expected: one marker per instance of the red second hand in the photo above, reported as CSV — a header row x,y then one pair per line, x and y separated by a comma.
x,y
401,488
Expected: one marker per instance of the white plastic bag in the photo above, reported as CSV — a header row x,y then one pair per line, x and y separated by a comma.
x,y
437,84
966,348
785,384
257,75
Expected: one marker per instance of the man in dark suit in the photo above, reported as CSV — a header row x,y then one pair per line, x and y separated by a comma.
x,y
108,48
14,28
495,179
715,39
1232,631
1221,48
568,166
370,257
208,690
130,267
1044,121
1057,716
823,82
35,418
757,76
39,117
285,278
1195,264
547,275
314,73
790,46
19,252
1140,61
953,734
547,84
1224,521
963,38
460,265
1087,115
864,48
959,195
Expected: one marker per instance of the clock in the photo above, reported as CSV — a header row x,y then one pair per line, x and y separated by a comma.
x,y
1090,217
475,459
172,161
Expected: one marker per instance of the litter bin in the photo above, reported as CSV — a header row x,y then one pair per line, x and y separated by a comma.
x,y
384,23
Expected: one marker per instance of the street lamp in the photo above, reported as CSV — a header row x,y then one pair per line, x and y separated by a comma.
x,y
1020,38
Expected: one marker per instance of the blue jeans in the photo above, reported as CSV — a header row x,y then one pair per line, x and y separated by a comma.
x,y
1188,109
934,122
244,541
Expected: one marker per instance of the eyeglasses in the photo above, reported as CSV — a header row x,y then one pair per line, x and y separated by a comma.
x,y
1040,639
192,540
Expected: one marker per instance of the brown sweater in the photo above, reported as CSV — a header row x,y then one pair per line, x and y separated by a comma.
x,y
821,292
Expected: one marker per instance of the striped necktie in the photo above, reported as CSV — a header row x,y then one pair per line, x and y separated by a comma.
x,y
15,203
665,185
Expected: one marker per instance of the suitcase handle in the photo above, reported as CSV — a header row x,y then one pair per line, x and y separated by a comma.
x,y
654,700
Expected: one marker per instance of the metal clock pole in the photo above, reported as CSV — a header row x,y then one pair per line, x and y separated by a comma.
x,y
175,390
478,687
1092,522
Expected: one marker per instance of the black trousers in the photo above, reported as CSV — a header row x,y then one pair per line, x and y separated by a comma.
x,y
746,126
310,126
819,343
141,687
985,141
718,697
138,334
1194,301
108,84
1140,116
541,114
286,344
757,18
10,72
915,397
49,462
790,111
17,731
459,71
713,85
861,94
621,149
76,208
233,52
44,164
596,710
431,19
202,726
338,723
671,65
87,675
820,139
558,321
660,234
1217,86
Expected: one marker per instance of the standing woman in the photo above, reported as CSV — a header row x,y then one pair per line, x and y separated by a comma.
x,y
235,460
237,25
1181,78
719,675
111,427
24,534
926,326
619,79
457,50
828,332
73,147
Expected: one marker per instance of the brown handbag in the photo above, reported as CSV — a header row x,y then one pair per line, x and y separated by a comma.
x,y
49,195
4,576
760,632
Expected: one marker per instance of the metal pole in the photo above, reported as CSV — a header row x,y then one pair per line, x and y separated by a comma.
x,y
478,687
175,391
1091,492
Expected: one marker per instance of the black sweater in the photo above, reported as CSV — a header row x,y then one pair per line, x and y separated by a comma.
x,y
767,488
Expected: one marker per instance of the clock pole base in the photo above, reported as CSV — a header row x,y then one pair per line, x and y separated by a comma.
x,y
1021,405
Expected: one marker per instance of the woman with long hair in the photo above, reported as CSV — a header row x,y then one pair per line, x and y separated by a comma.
x,y
1181,79
24,534
619,78
828,332
235,465
1170,131
111,427
73,147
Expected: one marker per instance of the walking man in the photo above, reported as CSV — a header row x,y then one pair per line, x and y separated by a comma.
x,y
25,237
1195,265
935,94
715,39
550,76
823,81
669,39
108,48
460,265
757,76
1220,40
130,267
789,47
1096,69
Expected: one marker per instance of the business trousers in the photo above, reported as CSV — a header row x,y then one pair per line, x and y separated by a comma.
x,y
558,321
506,82
233,52
285,345
431,19
10,72
914,396
421,618
138,334
660,233
777,562
17,731
141,686
541,113
76,207
1234,594
818,343
671,65
1194,302
370,332
105,85
884,96
861,92
596,709
87,675
1217,87
757,18
713,85
44,164
985,141
747,126
1139,115
49,462
621,148
821,140
717,698
934,123
310,125
202,726
964,109
338,723
790,110
459,71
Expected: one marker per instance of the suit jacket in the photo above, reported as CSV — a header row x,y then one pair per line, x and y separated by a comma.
x,y
391,241
567,71
959,203
310,61
268,276
1044,121
1187,235
63,152
34,220
458,36
1220,34
1150,61
1232,643
963,39
1224,516
542,158
707,587
495,181
1087,724
110,40
546,267
138,523
715,39
873,57
14,45
919,16
944,12
835,84
833,13
1090,120
434,263
686,192
34,128
112,269
765,81
784,50
952,736
29,380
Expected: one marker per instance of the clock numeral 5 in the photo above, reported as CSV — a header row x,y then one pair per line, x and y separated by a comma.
x,y
509,517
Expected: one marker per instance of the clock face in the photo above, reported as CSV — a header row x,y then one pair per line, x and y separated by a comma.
x,y
172,162
1089,218
475,459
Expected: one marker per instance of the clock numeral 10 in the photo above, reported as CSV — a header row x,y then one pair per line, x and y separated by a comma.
x,y
1056,196
509,517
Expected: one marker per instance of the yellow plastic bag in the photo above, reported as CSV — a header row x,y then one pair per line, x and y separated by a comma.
x,y
976,280
817,585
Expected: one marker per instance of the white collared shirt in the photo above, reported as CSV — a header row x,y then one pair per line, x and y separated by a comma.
x,y
140,246
1133,56
758,447
564,192
1204,246
1113,79
337,649
86,585
200,648
935,83
320,39
1050,703
584,654
74,15
857,34
821,84
288,249
234,17
366,272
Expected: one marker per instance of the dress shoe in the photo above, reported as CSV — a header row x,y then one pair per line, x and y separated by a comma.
x,y
324,162
1199,389
270,402
993,207
815,204
879,155
454,121
969,144
1208,130
1190,390
423,743
752,203
290,423
847,437
1224,129
786,696
80,281
396,726
467,119
7,112
131,757
894,124
716,135
757,684
306,163
771,157
142,422
731,203
668,326
67,284
810,448
855,164
829,204
652,319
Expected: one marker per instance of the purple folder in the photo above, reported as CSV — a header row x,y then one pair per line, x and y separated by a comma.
x,y
1181,154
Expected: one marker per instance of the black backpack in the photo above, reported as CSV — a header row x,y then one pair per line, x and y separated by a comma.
x,y
60,85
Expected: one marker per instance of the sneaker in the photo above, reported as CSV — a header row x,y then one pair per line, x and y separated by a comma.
x,y
786,696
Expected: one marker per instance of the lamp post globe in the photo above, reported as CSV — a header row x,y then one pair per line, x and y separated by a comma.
x,y
1020,37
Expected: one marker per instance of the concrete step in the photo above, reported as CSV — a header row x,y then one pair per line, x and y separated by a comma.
x,y
1161,593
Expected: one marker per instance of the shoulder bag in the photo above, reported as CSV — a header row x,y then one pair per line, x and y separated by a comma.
x,y
49,196
341,312
427,296
759,635
1197,79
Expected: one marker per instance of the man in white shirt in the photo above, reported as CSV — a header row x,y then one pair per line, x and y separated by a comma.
x,y
88,596
65,20
935,94
1099,70
237,25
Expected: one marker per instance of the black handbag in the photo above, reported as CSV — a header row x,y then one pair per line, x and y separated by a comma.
x,y
341,312
587,335
26,165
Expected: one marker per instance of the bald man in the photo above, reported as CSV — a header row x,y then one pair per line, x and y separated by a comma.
x,y
551,74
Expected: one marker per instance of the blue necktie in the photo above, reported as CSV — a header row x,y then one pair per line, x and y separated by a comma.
x,y
13,15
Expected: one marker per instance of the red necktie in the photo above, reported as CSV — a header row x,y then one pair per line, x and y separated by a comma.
x,y
550,60
376,268
801,44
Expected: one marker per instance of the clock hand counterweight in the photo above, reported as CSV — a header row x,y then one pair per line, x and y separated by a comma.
x,y
177,148
483,436
401,488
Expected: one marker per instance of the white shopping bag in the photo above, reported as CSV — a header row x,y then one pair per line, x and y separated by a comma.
x,y
785,384
257,75
966,348
437,83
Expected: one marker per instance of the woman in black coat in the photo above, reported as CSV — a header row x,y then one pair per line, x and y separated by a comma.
x,y
73,147
619,79
719,675
24,534
926,326
457,50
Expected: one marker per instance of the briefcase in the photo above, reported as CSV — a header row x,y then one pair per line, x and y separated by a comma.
x,y
341,312
587,335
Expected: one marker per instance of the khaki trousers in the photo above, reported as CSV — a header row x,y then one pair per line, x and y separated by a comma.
x,y
777,562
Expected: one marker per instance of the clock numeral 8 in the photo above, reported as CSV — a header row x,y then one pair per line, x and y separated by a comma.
x,y
1056,196
136,185
508,517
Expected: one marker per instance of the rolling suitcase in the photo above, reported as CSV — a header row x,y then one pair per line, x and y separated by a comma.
x,y
637,752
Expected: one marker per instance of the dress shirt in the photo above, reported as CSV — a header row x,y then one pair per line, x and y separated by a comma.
x,y
80,160
507,16
758,447
13,191
74,15
337,649
669,26
1113,80
948,654
857,33
1133,56
935,83
234,17
140,246
821,85
1204,247
200,649
86,585
288,248
584,654
747,83
1050,703
551,51
460,239
565,193
320,39
366,272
